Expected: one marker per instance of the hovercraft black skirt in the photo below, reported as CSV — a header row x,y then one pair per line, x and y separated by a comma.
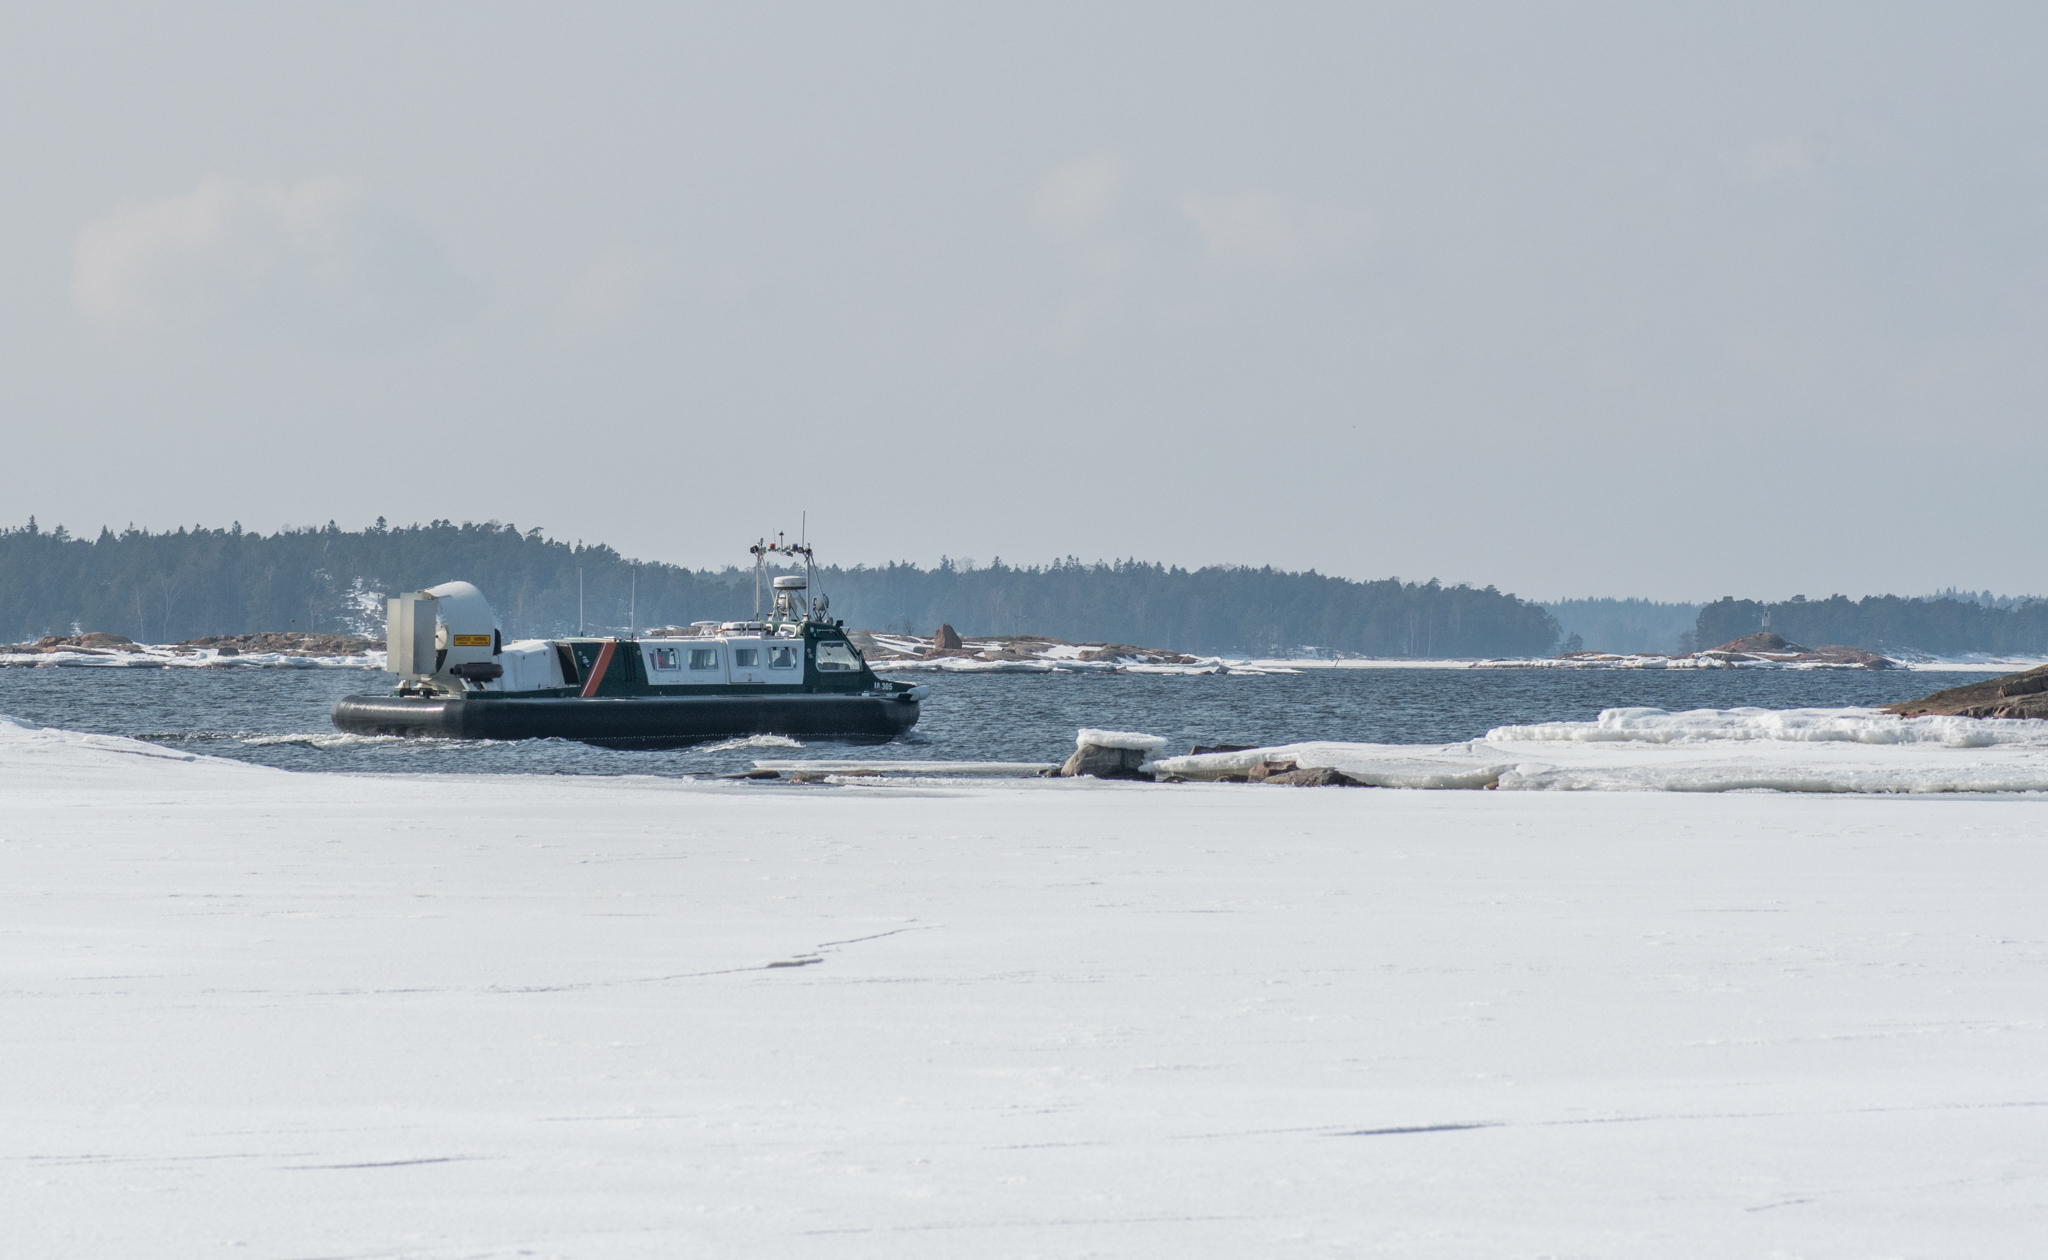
x,y
640,722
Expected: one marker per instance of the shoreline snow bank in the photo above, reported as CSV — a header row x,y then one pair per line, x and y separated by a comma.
x,y
21,738
1705,750
1848,725
88,765
1422,766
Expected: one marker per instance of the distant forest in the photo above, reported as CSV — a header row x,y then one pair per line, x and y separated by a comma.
x,y
165,587
1887,623
1625,625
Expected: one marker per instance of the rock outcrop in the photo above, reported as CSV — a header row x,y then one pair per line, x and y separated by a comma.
x,y
2021,695
1771,647
1111,754
1288,774
947,638
1761,641
1097,762
1319,776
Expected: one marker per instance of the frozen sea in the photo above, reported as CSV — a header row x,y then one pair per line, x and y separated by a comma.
x,y
279,717
253,1013
590,1004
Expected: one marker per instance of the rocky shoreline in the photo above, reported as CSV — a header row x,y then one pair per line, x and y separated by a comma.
x,y
2021,695
947,651
292,648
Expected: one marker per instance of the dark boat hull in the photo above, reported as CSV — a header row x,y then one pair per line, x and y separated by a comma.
x,y
637,722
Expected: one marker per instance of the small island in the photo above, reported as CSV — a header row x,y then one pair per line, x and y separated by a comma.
x,y
1763,650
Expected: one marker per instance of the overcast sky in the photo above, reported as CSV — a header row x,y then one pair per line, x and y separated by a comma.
x,y
1569,299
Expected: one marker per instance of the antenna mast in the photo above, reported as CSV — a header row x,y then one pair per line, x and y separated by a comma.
x,y
760,550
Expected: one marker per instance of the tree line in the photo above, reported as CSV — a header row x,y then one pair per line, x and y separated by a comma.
x,y
1886,623
188,583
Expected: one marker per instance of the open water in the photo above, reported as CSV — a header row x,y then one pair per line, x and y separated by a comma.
x,y
278,717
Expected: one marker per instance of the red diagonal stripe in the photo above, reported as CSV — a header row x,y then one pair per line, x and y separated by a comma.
x,y
604,659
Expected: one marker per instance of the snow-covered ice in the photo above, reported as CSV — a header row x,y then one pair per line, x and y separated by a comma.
x,y
253,1013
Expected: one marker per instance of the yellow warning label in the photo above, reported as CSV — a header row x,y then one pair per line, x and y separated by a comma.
x,y
472,640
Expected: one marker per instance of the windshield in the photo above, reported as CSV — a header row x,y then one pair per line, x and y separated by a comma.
x,y
837,657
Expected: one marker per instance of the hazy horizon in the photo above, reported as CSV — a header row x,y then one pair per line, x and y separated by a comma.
x,y
825,559
1665,304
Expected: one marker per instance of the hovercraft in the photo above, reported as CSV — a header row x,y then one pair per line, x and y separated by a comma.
x,y
793,672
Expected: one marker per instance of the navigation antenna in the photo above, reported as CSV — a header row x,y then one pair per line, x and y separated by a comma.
x,y
787,601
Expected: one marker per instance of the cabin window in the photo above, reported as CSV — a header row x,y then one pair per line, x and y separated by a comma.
x,y
782,658
703,658
837,658
746,658
663,658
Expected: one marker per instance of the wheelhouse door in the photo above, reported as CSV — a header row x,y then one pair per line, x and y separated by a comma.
x,y
749,660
